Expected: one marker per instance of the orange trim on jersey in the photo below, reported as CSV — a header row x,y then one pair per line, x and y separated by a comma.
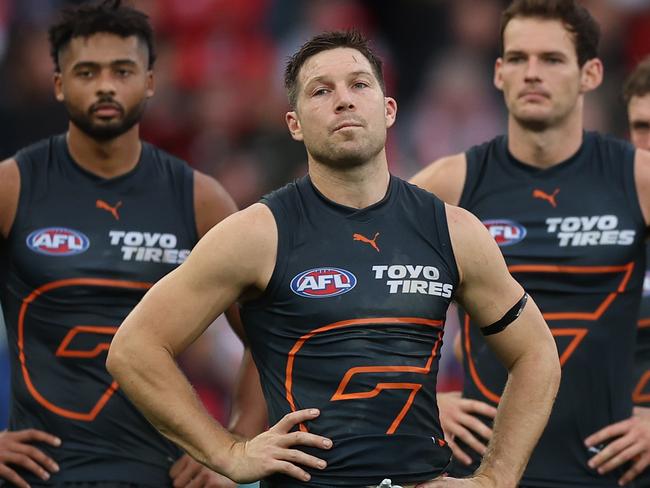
x,y
579,333
485,391
643,323
63,412
339,395
638,396
63,350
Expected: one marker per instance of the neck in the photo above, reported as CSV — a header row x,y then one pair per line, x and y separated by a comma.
x,y
546,148
107,159
357,187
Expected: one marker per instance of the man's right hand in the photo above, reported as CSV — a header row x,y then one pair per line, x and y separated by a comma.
x,y
16,449
459,421
272,451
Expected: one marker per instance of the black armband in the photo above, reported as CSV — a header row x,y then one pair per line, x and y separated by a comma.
x,y
510,316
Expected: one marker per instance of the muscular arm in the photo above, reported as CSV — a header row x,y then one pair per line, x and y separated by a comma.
x,y
9,190
212,204
444,178
526,348
237,255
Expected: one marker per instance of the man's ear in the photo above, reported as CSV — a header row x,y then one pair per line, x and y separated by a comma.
x,y
293,123
58,86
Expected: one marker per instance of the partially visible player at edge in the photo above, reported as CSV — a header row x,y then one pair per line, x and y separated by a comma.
x,y
333,324
89,220
570,210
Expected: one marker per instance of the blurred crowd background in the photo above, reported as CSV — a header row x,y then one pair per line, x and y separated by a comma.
x,y
220,101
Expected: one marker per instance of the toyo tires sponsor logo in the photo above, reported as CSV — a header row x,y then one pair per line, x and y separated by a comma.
x,y
58,241
505,232
323,282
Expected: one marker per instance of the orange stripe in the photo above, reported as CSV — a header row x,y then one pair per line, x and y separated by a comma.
x,y
472,369
579,333
90,415
63,350
643,323
638,396
288,384
578,336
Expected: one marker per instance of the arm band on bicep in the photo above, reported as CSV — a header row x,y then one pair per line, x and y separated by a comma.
x,y
510,316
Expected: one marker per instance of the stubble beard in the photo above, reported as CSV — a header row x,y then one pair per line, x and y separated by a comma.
x,y
106,131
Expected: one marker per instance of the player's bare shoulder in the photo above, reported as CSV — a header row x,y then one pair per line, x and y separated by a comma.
x,y
212,203
444,178
472,243
9,191
245,241
642,179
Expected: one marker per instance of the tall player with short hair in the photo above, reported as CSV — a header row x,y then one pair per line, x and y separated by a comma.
x,y
345,277
636,94
89,220
569,210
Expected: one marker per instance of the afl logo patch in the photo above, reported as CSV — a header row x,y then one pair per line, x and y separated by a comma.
x,y
323,282
58,241
505,232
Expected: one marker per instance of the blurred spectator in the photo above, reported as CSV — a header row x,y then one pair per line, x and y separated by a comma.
x,y
457,108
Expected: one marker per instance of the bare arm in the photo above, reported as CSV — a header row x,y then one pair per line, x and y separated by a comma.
x,y
17,448
444,178
212,204
526,348
9,191
236,256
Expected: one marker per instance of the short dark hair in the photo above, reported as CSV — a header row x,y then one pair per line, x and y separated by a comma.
x,y
575,17
324,42
109,16
638,83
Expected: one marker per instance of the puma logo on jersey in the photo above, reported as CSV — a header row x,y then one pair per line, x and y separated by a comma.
x,y
413,279
110,209
596,230
542,195
372,242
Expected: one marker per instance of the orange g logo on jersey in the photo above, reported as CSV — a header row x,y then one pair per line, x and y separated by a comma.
x,y
341,392
70,347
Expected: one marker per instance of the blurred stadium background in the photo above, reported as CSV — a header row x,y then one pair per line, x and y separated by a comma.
x,y
220,102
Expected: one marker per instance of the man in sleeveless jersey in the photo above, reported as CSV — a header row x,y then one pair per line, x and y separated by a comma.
x,y
636,94
89,220
569,210
345,277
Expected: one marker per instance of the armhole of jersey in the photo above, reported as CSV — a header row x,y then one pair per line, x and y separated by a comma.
x,y
445,239
188,203
22,207
630,184
470,178
281,258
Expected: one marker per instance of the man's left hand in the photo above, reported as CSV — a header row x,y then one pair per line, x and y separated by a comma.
x,y
628,441
188,473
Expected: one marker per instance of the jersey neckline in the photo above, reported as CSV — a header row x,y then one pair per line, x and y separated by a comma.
x,y
64,152
362,214
535,171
